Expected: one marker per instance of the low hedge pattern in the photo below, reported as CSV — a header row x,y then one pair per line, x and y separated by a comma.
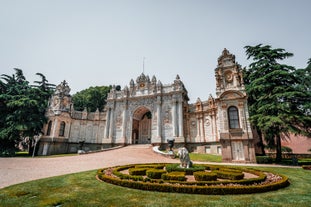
x,y
229,175
243,186
179,176
205,176
188,171
137,171
155,173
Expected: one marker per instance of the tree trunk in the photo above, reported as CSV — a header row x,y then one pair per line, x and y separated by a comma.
x,y
278,149
30,147
262,146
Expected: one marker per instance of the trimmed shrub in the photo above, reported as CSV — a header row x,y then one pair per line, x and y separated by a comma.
x,y
207,190
264,159
179,176
188,171
230,170
155,166
229,175
155,173
306,167
137,171
205,176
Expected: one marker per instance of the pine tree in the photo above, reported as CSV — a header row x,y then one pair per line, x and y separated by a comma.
x,y
275,96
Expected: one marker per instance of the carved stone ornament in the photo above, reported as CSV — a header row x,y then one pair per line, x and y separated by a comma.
x,y
229,76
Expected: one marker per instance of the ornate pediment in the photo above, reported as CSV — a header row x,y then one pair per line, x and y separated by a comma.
x,y
226,59
232,95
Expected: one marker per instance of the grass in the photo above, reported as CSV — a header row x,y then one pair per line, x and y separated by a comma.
x,y
205,157
82,189
25,154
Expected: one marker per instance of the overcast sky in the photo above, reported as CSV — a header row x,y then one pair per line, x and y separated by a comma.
x,y
89,42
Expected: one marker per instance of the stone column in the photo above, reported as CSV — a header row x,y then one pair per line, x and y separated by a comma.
x,y
107,123
180,119
174,117
124,123
159,126
54,128
198,137
111,124
203,128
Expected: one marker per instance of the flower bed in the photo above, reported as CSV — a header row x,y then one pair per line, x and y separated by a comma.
x,y
229,180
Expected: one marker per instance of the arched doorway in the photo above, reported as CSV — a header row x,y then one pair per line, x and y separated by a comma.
x,y
141,129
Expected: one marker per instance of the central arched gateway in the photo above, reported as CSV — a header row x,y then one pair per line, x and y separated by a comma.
x,y
141,129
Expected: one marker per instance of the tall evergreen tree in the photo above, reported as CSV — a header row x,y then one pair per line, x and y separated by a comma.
x,y
22,110
273,92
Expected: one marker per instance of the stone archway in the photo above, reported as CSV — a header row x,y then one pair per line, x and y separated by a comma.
x,y
141,129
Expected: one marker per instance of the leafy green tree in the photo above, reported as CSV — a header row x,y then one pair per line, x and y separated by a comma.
x,y
304,78
22,109
92,98
273,91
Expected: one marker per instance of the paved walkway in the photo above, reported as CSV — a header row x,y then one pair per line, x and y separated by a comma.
x,y
18,170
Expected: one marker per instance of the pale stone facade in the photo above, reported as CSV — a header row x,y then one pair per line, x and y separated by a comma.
x,y
149,112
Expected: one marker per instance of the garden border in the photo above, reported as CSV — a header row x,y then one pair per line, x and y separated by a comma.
x,y
204,187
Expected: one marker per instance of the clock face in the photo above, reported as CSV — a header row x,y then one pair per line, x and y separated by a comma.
x,y
142,85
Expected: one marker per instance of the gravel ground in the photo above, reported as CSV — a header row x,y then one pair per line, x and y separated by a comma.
x,y
19,170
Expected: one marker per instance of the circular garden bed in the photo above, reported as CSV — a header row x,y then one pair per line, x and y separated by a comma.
x,y
199,179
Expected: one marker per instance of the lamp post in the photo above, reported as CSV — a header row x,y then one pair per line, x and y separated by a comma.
x,y
37,138
170,145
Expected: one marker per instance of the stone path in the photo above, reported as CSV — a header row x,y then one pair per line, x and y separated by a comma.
x,y
18,170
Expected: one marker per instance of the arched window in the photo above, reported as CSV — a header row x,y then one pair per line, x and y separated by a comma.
x,y
48,131
233,115
62,129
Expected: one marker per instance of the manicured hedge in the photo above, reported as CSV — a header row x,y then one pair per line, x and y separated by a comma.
x,y
155,166
188,171
208,190
264,159
137,171
205,176
244,186
180,176
155,173
306,167
229,175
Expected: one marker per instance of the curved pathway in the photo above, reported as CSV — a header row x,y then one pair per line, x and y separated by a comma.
x,y
18,170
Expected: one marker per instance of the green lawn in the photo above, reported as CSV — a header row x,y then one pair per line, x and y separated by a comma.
x,y
25,154
205,157
82,189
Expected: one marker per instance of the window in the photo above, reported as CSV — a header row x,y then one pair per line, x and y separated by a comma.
x,y
233,114
62,129
48,131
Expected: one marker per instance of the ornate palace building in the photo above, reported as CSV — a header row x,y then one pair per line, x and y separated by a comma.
x,y
149,112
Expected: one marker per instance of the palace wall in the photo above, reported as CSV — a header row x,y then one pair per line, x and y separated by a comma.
x,y
149,112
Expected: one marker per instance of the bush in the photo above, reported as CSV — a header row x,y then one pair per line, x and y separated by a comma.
x,y
229,175
156,166
180,176
286,149
137,171
207,190
155,173
304,162
264,160
306,167
205,176
188,171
